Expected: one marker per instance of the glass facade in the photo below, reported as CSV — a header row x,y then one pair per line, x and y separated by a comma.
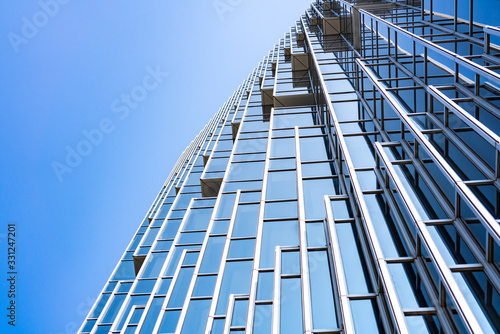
x,y
349,185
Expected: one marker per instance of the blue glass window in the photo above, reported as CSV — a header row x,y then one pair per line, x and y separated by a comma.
x,y
277,233
113,309
154,264
144,286
220,227
103,329
164,285
169,322
176,255
180,288
262,323
196,316
99,306
291,120
281,210
354,269
282,147
291,306
241,248
318,169
265,285
253,196
247,217
323,306
282,164
204,286
239,313
213,254
365,317
225,206
198,219
290,262
281,185
316,234
125,271
170,230
163,245
133,301
236,280
246,171
88,326
314,192
313,149
218,326
191,238
136,316
251,145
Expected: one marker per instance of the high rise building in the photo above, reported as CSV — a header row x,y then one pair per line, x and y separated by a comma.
x,y
350,184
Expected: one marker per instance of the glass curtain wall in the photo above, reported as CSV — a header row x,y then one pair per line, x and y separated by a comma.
x,y
349,185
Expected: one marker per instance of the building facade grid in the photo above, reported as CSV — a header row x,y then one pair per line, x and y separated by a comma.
x,y
349,185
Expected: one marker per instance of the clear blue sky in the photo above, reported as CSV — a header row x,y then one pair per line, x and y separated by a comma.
x,y
71,71
101,65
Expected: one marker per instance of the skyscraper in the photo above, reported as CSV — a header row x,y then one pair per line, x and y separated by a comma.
x,y
350,184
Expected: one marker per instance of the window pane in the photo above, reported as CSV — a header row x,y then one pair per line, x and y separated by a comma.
x,y
262,323
181,287
247,217
241,249
198,219
313,149
354,270
154,265
191,238
279,233
291,306
315,235
236,280
98,309
225,206
281,210
323,307
290,263
196,316
113,309
125,271
133,301
213,254
204,286
170,230
240,313
282,147
169,322
265,285
282,164
246,171
251,145
165,284
318,169
281,185
364,317
314,192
